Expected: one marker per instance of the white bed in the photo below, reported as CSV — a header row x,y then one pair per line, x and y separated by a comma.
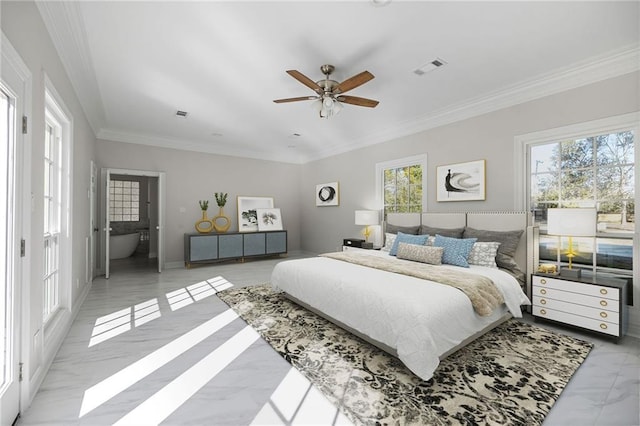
x,y
419,321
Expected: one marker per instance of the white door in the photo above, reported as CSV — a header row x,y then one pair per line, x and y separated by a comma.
x,y
93,220
107,222
12,108
160,226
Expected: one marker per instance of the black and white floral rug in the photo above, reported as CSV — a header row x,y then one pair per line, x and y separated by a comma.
x,y
511,375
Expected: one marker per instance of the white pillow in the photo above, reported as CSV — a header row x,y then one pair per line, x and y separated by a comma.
x,y
389,239
484,254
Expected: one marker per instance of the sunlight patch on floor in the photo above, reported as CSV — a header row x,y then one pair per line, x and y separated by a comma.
x,y
164,402
187,295
123,379
297,401
119,322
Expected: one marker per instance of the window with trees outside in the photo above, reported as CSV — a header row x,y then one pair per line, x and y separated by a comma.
x,y
595,171
401,184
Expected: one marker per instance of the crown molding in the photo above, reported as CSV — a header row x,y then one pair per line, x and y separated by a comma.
x,y
109,135
600,68
65,25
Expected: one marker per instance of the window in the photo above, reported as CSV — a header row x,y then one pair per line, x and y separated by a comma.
x,y
124,201
56,214
593,169
400,185
52,207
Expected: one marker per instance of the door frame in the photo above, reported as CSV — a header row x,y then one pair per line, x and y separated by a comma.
x,y
11,61
106,175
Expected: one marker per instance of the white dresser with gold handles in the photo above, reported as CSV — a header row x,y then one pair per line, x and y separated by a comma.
x,y
588,302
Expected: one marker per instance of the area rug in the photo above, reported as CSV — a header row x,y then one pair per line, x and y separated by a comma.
x,y
510,376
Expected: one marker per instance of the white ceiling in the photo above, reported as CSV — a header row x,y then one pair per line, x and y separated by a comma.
x,y
134,64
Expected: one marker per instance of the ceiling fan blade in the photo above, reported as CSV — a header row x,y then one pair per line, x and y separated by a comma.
x,y
353,82
355,100
301,98
306,81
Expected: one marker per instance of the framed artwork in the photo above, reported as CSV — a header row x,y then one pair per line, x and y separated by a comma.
x,y
269,220
461,182
247,211
327,194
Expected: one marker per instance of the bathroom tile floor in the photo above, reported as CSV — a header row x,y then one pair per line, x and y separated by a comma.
x,y
150,348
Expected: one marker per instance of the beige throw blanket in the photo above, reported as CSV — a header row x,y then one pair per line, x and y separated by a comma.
x,y
481,291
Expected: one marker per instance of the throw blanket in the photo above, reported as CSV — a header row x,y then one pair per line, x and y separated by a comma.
x,y
481,291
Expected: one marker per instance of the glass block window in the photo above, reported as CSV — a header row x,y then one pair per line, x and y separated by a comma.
x,y
124,201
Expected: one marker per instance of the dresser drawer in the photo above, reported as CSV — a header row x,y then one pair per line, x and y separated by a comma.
x,y
580,321
576,287
609,304
572,308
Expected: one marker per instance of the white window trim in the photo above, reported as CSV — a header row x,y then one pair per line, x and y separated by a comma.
x,y
57,110
394,164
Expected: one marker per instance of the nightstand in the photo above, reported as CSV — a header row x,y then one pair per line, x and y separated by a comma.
x,y
591,302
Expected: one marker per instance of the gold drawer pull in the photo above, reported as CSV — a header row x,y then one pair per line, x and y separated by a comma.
x,y
543,302
603,314
603,291
543,312
603,326
603,303
543,291
543,281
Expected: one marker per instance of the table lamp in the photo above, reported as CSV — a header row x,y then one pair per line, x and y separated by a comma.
x,y
366,218
571,223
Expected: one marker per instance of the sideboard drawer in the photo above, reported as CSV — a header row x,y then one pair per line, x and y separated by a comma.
x,y
576,287
572,308
610,304
580,321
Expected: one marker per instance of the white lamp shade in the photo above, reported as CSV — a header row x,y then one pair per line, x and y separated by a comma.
x,y
572,222
366,217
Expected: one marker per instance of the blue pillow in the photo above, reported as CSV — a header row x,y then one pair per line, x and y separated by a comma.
x,y
420,240
456,250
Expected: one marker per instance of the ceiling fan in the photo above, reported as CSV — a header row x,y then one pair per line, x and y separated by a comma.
x,y
329,93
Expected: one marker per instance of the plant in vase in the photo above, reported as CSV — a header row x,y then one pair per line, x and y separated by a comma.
x,y
221,222
204,225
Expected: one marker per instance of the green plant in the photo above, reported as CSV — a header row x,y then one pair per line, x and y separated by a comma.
x,y
204,205
221,198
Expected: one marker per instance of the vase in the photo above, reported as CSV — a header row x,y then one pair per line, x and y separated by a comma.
x,y
221,223
204,225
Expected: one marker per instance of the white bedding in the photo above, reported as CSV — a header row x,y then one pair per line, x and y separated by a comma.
x,y
421,320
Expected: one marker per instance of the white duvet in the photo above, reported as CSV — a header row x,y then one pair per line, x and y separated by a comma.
x,y
420,319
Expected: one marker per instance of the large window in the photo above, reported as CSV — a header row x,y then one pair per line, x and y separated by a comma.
x,y
401,185
56,210
594,170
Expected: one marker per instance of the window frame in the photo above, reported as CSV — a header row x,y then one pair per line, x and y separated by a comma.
x,y
614,124
414,160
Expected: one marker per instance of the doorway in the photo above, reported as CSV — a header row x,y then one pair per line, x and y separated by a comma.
x,y
133,214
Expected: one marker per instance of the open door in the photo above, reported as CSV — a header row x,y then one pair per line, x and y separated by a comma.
x,y
93,221
107,223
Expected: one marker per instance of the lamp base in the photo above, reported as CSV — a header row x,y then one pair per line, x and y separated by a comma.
x,y
570,273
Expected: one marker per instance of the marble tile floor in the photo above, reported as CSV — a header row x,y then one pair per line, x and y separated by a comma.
x,y
149,348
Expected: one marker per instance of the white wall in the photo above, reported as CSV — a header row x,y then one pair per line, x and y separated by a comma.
x,y
192,176
489,136
23,26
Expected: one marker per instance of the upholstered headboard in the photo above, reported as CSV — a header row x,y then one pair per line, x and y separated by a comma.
x,y
526,253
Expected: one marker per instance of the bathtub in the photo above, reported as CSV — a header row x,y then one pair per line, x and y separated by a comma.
x,y
121,246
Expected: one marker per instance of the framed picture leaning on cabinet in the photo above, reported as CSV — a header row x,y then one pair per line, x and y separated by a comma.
x,y
247,211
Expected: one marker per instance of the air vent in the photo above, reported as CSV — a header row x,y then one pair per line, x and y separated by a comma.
x,y
182,114
430,66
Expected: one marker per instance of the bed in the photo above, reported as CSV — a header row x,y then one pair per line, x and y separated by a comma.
x,y
398,306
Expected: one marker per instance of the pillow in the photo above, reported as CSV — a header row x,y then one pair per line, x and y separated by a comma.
x,y
409,239
456,250
445,232
388,241
424,254
508,244
484,254
394,229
